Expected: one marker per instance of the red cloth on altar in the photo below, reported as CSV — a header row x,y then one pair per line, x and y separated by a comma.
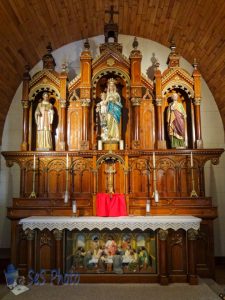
x,y
110,207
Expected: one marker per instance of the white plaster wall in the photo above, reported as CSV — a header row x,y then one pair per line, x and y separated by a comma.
x,y
212,129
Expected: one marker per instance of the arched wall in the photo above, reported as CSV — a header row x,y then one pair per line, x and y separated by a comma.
x,y
212,129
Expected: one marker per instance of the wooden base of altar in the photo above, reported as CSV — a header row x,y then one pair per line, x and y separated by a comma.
x,y
165,247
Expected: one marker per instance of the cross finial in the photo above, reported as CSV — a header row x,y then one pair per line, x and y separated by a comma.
x,y
111,12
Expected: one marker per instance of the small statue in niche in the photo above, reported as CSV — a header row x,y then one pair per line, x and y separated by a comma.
x,y
109,109
102,109
44,114
176,116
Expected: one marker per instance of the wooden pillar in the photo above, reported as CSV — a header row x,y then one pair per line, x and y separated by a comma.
x,y
58,249
85,93
198,130
160,142
136,121
63,127
136,92
192,274
30,248
26,106
95,172
163,264
197,101
126,170
85,103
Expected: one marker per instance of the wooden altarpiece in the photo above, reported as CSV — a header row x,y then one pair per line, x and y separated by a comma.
x,y
74,166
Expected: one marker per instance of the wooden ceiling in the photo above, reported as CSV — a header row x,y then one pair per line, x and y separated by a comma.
x,y
26,27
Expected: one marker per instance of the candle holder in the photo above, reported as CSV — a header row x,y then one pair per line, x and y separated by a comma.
x,y
33,193
155,194
193,192
66,195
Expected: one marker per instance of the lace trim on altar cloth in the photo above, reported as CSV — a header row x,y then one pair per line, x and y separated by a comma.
x,y
100,223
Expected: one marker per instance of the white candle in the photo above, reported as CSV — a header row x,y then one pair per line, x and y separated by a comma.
x,y
99,144
156,196
148,206
74,207
121,145
34,165
67,161
66,197
153,159
192,164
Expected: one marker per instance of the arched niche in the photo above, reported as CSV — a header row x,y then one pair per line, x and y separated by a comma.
x,y
100,86
36,99
185,98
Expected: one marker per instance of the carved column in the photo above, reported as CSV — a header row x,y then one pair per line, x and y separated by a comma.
x,y
163,264
26,106
192,274
85,103
197,101
58,251
158,108
63,129
136,121
198,130
30,248
85,92
136,92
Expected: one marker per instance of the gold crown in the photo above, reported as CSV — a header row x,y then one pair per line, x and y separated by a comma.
x,y
112,80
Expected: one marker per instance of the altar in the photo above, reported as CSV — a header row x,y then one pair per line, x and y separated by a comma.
x,y
113,142
93,245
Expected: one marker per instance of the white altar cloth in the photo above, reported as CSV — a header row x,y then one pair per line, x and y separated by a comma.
x,y
130,222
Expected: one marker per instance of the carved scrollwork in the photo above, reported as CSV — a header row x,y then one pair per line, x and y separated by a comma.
x,y
56,165
85,102
139,164
215,160
136,101
9,163
58,234
79,165
63,103
45,239
30,234
192,234
177,239
165,164
163,234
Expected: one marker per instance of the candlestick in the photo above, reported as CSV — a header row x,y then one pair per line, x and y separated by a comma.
x,y
34,164
192,164
33,194
153,159
67,161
